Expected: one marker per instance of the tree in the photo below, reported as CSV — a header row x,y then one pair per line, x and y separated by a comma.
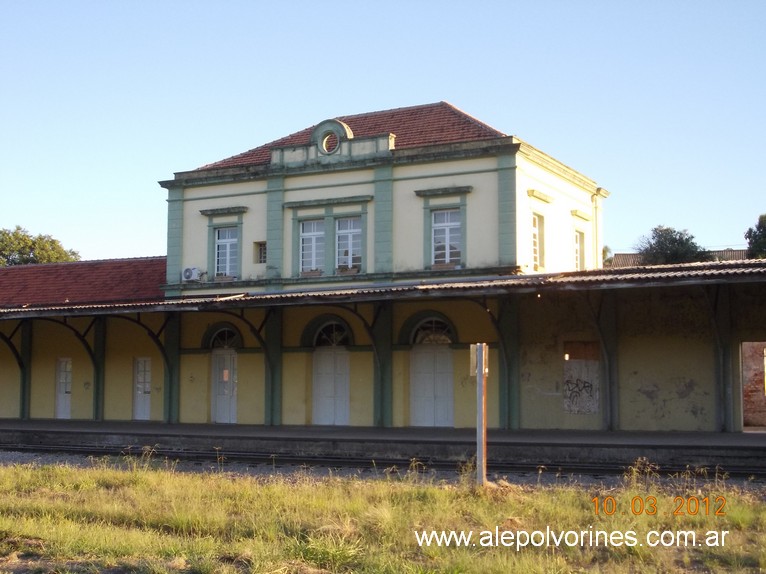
x,y
18,247
756,239
667,245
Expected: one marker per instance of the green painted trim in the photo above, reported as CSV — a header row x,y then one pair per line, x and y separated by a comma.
x,y
383,378
444,191
428,236
328,201
212,227
510,368
172,387
330,244
99,367
274,226
236,210
273,383
506,209
175,235
27,342
384,220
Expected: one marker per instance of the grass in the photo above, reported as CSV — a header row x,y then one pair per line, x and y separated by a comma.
x,y
138,515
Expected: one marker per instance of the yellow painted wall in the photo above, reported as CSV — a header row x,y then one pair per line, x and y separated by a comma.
x,y
51,342
361,388
547,323
296,388
560,223
195,388
10,384
666,384
666,361
124,343
250,388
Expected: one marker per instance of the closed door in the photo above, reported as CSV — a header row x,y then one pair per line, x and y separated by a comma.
x,y
431,386
224,407
142,389
64,388
331,386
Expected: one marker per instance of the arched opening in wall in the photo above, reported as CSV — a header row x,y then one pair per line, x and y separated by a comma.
x,y
331,372
753,370
431,373
223,342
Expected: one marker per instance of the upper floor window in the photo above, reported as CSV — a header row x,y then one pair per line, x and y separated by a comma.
x,y
538,241
446,237
348,237
226,251
312,245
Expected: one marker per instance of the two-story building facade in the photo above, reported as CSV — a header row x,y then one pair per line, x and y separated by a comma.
x,y
338,275
425,193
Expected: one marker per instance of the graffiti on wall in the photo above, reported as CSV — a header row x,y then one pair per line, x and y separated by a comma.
x,y
581,387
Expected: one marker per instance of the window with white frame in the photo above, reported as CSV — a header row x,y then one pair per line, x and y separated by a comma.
x,y
312,245
226,251
579,242
446,237
538,238
348,238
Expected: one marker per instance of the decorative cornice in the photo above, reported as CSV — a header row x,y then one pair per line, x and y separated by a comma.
x,y
328,201
581,214
235,210
539,195
441,191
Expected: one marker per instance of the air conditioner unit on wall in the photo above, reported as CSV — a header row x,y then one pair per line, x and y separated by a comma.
x,y
191,274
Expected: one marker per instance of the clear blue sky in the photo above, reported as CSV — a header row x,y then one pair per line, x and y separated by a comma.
x,y
663,103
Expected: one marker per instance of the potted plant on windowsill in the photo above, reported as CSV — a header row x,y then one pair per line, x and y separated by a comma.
x,y
444,266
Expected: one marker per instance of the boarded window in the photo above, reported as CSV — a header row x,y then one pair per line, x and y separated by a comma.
x,y
582,373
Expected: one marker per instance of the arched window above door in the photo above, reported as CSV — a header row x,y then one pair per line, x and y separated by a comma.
x,y
433,331
222,336
332,334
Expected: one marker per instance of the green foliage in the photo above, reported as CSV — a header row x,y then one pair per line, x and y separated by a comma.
x,y
756,239
666,245
19,247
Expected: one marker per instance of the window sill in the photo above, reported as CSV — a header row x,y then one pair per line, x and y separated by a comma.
x,y
312,273
224,278
445,266
347,271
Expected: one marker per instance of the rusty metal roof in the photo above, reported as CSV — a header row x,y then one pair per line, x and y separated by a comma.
x,y
746,271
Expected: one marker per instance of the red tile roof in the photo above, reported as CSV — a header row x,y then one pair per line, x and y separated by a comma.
x,y
79,282
415,126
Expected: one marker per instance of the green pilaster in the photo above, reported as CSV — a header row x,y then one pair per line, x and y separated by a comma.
x,y
99,367
510,375
175,234
172,390
26,371
274,226
384,219
608,330
273,390
383,379
506,208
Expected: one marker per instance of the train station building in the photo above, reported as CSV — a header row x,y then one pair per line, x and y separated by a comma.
x,y
336,277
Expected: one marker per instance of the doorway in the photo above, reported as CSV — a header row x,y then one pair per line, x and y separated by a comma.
x,y
754,385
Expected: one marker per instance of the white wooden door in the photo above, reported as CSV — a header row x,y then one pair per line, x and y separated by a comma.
x,y
431,386
142,389
64,388
331,386
224,407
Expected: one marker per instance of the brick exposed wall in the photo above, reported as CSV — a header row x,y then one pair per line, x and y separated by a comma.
x,y
754,386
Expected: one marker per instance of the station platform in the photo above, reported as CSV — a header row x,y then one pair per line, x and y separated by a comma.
x,y
742,453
